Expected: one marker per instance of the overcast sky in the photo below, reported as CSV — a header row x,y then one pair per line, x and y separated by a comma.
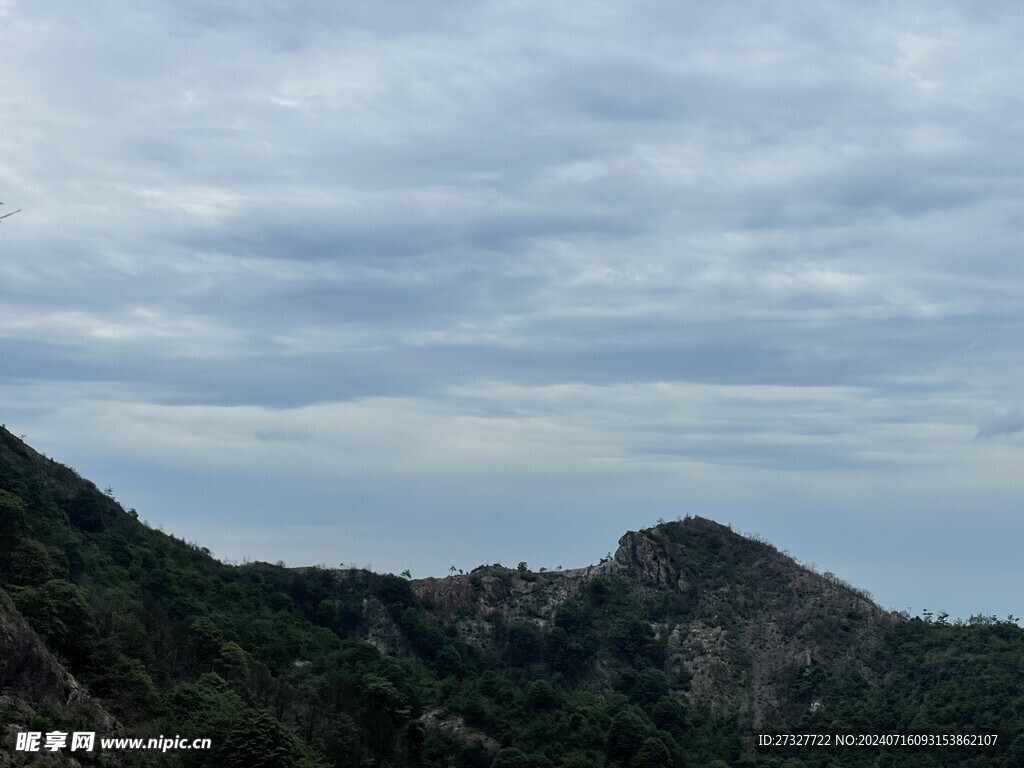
x,y
411,284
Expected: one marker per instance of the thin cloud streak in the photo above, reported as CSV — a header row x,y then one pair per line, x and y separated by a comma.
x,y
1006,422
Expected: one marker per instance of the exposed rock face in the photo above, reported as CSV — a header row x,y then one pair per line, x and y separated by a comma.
x,y
639,553
456,726
496,593
26,667
33,682
450,596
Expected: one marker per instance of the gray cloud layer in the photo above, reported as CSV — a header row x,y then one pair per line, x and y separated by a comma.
x,y
1007,422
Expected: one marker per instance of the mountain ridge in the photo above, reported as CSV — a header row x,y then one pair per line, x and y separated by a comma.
x,y
675,650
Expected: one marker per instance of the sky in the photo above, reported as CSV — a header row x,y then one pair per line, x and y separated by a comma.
x,y
413,285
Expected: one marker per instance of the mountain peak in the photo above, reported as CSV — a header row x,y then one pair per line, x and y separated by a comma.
x,y
654,553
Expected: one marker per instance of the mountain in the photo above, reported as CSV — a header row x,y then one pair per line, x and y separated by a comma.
x,y
731,620
677,650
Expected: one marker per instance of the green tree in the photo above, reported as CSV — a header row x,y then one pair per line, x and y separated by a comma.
x,y
59,611
127,687
31,563
650,685
414,736
449,661
259,741
12,520
88,510
207,640
525,644
385,710
235,665
541,695
343,743
653,754
580,759
1015,754
203,707
671,716
625,736
510,757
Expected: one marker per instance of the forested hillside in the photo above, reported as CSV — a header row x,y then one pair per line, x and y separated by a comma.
x,y
675,651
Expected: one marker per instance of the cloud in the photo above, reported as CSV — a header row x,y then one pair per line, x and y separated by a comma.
x,y
407,204
1009,421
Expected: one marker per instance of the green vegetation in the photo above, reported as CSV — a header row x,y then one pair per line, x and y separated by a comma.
x,y
674,652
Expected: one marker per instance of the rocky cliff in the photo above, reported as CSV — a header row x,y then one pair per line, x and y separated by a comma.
x,y
38,694
737,624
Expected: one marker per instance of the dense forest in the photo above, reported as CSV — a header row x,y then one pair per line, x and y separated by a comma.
x,y
679,649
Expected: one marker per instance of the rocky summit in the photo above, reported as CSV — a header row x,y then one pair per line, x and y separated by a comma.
x,y
736,620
